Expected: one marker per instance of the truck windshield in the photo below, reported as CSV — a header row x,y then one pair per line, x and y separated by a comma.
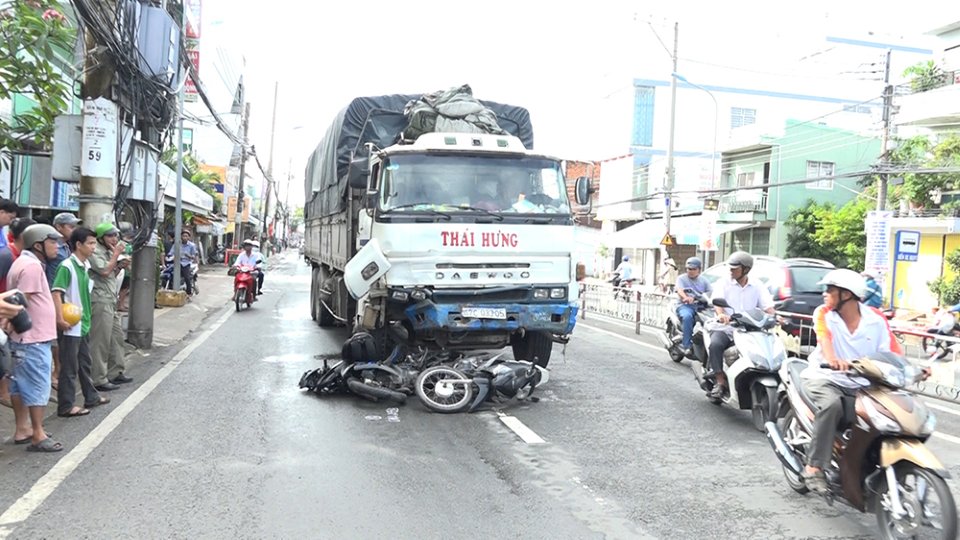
x,y
495,184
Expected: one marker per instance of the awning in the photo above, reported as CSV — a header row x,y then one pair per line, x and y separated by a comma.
x,y
648,234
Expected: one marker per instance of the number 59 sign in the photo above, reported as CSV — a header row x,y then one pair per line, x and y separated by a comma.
x,y
99,158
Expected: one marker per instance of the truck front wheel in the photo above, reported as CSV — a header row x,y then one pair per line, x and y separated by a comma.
x,y
533,347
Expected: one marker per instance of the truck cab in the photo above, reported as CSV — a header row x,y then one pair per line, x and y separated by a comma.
x,y
464,241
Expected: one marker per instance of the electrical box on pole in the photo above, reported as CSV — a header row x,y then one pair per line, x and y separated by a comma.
x,y
158,44
67,147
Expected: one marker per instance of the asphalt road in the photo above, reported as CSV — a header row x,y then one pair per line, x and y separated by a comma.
x,y
218,442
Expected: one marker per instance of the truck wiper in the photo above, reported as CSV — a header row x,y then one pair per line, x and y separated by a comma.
x,y
494,215
413,205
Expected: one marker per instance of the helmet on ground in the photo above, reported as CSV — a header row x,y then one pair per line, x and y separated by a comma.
x,y
626,258
741,258
72,313
843,278
106,228
38,233
694,262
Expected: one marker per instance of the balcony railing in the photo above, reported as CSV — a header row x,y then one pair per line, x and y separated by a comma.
x,y
753,201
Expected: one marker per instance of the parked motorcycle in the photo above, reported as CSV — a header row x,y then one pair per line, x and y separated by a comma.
x,y
751,364
244,286
219,254
472,381
880,462
166,275
672,337
947,325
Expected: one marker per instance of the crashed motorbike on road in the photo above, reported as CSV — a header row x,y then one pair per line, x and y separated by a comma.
x,y
445,381
880,463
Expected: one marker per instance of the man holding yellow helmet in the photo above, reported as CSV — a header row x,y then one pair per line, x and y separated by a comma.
x,y
71,298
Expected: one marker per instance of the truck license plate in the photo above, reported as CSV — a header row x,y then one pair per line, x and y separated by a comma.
x,y
484,312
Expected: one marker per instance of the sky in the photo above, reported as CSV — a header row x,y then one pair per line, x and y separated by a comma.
x,y
570,63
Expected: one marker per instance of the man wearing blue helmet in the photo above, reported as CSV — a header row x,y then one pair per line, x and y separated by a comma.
x,y
690,286
624,271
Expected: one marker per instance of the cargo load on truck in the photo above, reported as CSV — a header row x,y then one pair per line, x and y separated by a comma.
x,y
387,120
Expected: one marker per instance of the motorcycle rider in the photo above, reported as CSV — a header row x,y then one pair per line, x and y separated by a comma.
x,y
188,255
689,287
254,259
874,293
741,294
846,330
624,271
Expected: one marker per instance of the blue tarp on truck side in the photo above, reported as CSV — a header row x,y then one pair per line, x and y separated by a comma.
x,y
379,120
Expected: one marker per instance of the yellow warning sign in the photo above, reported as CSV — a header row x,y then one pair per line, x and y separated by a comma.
x,y
668,240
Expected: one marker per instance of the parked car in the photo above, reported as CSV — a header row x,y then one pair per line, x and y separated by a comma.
x,y
793,284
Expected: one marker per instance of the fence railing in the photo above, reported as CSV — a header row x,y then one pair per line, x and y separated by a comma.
x,y
650,309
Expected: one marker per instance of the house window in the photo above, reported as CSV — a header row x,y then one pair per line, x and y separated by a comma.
x,y
742,117
745,179
817,169
641,181
643,116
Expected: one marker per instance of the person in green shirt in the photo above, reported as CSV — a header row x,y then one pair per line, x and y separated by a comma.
x,y
72,285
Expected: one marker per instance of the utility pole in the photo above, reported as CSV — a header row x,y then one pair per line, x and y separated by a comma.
x,y
237,224
96,192
178,209
273,130
887,106
668,185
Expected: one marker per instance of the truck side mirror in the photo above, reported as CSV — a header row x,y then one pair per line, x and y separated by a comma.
x,y
358,173
583,190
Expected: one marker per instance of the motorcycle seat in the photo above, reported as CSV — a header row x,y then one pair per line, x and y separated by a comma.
x,y
796,368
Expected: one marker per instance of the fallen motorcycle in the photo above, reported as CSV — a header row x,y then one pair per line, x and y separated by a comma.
x,y
471,382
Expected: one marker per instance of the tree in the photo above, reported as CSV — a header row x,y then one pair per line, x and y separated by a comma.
x,y
821,231
32,31
947,290
925,76
921,152
192,172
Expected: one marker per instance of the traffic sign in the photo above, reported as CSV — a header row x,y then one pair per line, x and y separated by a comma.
x,y
668,240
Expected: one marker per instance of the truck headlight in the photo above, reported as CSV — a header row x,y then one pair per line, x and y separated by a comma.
x,y
541,294
560,292
418,295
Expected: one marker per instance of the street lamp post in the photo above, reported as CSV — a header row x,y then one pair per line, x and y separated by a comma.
x,y
713,155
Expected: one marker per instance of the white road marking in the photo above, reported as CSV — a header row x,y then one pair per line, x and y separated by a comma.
x,y
618,336
944,436
526,434
21,510
941,408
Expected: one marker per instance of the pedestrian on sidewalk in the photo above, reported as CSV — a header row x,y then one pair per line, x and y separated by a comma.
x,y
106,330
72,285
8,214
64,223
30,384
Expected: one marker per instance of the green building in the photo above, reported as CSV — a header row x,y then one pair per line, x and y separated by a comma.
x,y
804,150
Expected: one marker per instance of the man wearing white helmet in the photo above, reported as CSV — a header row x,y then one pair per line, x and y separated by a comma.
x,y
742,294
846,330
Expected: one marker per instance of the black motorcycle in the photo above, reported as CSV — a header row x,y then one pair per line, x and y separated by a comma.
x,y
472,381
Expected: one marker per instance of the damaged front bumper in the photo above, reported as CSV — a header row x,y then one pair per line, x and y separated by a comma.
x,y
553,318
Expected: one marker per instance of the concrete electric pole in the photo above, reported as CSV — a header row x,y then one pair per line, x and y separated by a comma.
x,y
238,223
668,184
887,111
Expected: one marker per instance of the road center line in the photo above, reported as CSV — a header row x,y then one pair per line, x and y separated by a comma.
x,y
618,336
526,434
944,436
941,408
21,510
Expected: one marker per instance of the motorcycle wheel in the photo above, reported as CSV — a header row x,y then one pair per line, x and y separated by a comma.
x,y
238,298
441,396
915,498
674,351
788,426
764,406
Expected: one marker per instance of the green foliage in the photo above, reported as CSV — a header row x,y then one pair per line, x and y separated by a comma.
x,y
822,231
31,31
922,152
947,289
192,172
925,76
